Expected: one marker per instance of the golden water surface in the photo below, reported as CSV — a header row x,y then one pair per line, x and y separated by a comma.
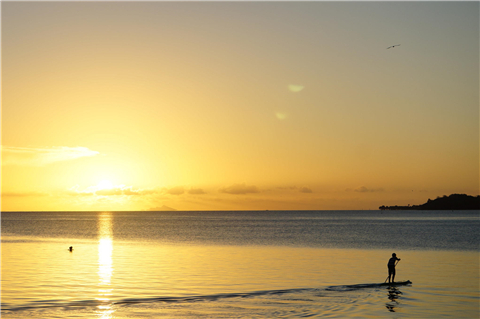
x,y
99,276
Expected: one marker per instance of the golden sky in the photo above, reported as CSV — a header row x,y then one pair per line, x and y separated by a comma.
x,y
234,106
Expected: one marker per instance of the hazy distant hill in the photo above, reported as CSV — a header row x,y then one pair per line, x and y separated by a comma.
x,y
452,202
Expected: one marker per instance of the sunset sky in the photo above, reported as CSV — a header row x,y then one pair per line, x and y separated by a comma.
x,y
238,105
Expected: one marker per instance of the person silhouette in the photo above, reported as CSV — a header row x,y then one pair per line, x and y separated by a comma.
x,y
392,262
70,248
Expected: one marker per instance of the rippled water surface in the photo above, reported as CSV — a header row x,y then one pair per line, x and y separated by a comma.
x,y
239,264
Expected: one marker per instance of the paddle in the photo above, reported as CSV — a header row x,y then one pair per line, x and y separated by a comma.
x,y
389,275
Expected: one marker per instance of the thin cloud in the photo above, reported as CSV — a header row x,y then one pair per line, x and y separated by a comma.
x,y
29,156
288,187
305,190
179,190
119,191
162,208
363,189
239,189
114,191
24,194
196,191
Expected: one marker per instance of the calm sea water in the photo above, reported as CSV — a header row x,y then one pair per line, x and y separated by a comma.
x,y
274,264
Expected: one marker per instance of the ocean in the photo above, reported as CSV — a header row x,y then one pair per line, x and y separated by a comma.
x,y
239,264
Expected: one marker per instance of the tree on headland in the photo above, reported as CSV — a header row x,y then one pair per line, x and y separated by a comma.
x,y
452,202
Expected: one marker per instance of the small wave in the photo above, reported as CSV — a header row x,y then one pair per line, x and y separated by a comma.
x,y
43,304
213,297
184,299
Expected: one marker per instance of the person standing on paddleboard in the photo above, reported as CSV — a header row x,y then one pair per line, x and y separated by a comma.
x,y
392,262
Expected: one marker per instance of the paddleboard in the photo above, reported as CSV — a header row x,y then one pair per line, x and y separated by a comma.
x,y
397,283
364,286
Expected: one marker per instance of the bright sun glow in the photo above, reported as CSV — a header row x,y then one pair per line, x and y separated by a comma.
x,y
105,184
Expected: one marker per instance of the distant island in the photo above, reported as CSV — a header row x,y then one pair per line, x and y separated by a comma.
x,y
452,202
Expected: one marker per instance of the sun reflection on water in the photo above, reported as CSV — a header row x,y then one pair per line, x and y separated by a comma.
x,y
105,267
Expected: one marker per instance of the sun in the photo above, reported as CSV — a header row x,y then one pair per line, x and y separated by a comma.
x,y
104,184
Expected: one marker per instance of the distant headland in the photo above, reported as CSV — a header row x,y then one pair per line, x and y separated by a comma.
x,y
452,202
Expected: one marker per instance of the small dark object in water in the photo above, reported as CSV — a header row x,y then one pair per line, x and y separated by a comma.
x,y
71,248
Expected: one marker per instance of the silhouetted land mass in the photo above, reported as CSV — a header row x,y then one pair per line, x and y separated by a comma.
x,y
452,202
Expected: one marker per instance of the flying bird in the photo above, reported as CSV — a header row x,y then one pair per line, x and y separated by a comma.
x,y
396,45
